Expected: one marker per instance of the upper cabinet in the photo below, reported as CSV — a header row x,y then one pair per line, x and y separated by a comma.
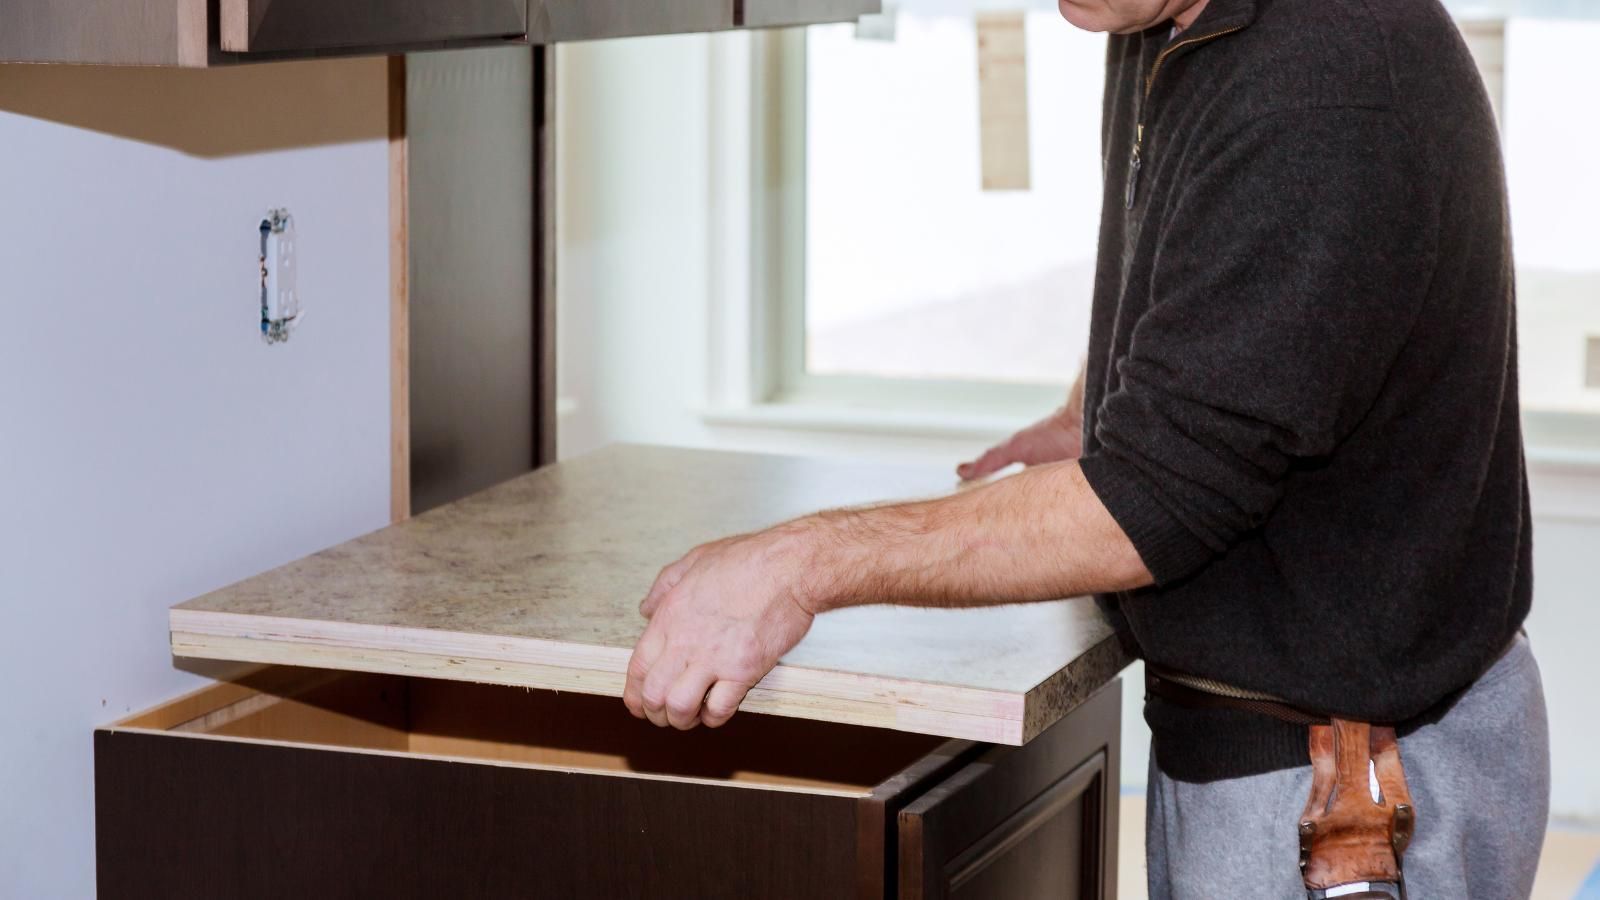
x,y
550,21
304,26
222,32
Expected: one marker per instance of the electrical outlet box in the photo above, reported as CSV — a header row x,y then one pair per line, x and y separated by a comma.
x,y
280,295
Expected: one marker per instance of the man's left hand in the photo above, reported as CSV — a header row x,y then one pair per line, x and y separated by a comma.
x,y
720,619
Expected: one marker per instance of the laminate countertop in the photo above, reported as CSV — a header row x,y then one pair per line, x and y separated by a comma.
x,y
536,582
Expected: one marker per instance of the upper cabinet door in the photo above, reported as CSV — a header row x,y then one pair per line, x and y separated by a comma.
x,y
778,13
297,26
550,21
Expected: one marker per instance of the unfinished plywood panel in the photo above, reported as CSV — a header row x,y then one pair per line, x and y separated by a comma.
x,y
399,297
1003,101
537,582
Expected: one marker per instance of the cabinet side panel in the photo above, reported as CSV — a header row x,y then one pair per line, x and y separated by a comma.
x,y
470,143
192,817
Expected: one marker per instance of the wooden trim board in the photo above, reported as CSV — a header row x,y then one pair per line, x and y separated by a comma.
x,y
399,298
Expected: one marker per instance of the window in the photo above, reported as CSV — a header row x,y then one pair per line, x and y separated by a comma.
x,y
898,282
1555,192
911,284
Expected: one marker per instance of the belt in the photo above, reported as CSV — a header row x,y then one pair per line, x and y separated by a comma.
x,y
1196,692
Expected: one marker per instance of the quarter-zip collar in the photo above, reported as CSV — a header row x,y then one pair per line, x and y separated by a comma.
x,y
1222,14
1219,19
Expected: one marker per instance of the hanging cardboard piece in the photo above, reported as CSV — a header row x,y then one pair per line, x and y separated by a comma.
x,y
1003,101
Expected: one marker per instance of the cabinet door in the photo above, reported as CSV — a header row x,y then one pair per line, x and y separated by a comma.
x,y
778,13
577,20
293,26
1037,822
551,21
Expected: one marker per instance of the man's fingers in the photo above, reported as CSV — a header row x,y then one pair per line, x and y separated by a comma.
x,y
658,684
722,701
645,654
685,699
993,460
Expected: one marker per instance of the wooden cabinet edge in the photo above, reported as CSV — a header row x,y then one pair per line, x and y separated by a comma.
x,y
1092,744
878,815
233,25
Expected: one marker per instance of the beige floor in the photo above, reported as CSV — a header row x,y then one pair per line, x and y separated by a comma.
x,y
1570,856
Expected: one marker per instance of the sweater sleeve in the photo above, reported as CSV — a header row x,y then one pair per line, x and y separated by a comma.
x,y
1288,274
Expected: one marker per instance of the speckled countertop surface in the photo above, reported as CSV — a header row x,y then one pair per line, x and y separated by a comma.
x,y
566,553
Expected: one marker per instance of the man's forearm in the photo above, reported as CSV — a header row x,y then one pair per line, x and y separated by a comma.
x,y
1039,535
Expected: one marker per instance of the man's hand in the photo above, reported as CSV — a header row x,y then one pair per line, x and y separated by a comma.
x,y
1055,438
720,619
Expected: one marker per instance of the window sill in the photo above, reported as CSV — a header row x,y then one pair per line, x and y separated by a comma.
x,y
858,420
1564,479
1576,460
814,417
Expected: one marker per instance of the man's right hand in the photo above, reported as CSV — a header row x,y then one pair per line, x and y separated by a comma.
x,y
1057,437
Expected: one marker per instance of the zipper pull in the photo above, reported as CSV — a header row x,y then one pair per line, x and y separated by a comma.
x,y
1135,163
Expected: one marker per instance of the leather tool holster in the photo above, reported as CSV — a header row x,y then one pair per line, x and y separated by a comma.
x,y
1347,839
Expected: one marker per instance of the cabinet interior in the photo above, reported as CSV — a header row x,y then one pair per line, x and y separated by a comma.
x,y
539,728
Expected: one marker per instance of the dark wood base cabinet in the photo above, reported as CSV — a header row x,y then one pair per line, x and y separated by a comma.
x,y
299,783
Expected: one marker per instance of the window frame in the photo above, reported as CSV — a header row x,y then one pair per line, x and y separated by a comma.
x,y
778,216
758,324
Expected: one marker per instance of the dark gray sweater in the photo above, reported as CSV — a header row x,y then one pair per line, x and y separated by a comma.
x,y
1302,395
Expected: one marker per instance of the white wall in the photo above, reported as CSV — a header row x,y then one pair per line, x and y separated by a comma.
x,y
151,446
640,274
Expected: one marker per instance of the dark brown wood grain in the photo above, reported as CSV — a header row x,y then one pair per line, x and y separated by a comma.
x,y
1037,822
257,26
195,817
878,819
379,786
544,256
780,13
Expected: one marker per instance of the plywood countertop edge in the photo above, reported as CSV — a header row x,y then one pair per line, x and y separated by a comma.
x,y
948,710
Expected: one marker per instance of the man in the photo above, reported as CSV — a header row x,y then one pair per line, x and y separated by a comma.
x,y
1293,460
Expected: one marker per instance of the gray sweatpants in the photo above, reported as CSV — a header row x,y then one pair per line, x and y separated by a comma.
x,y
1479,777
